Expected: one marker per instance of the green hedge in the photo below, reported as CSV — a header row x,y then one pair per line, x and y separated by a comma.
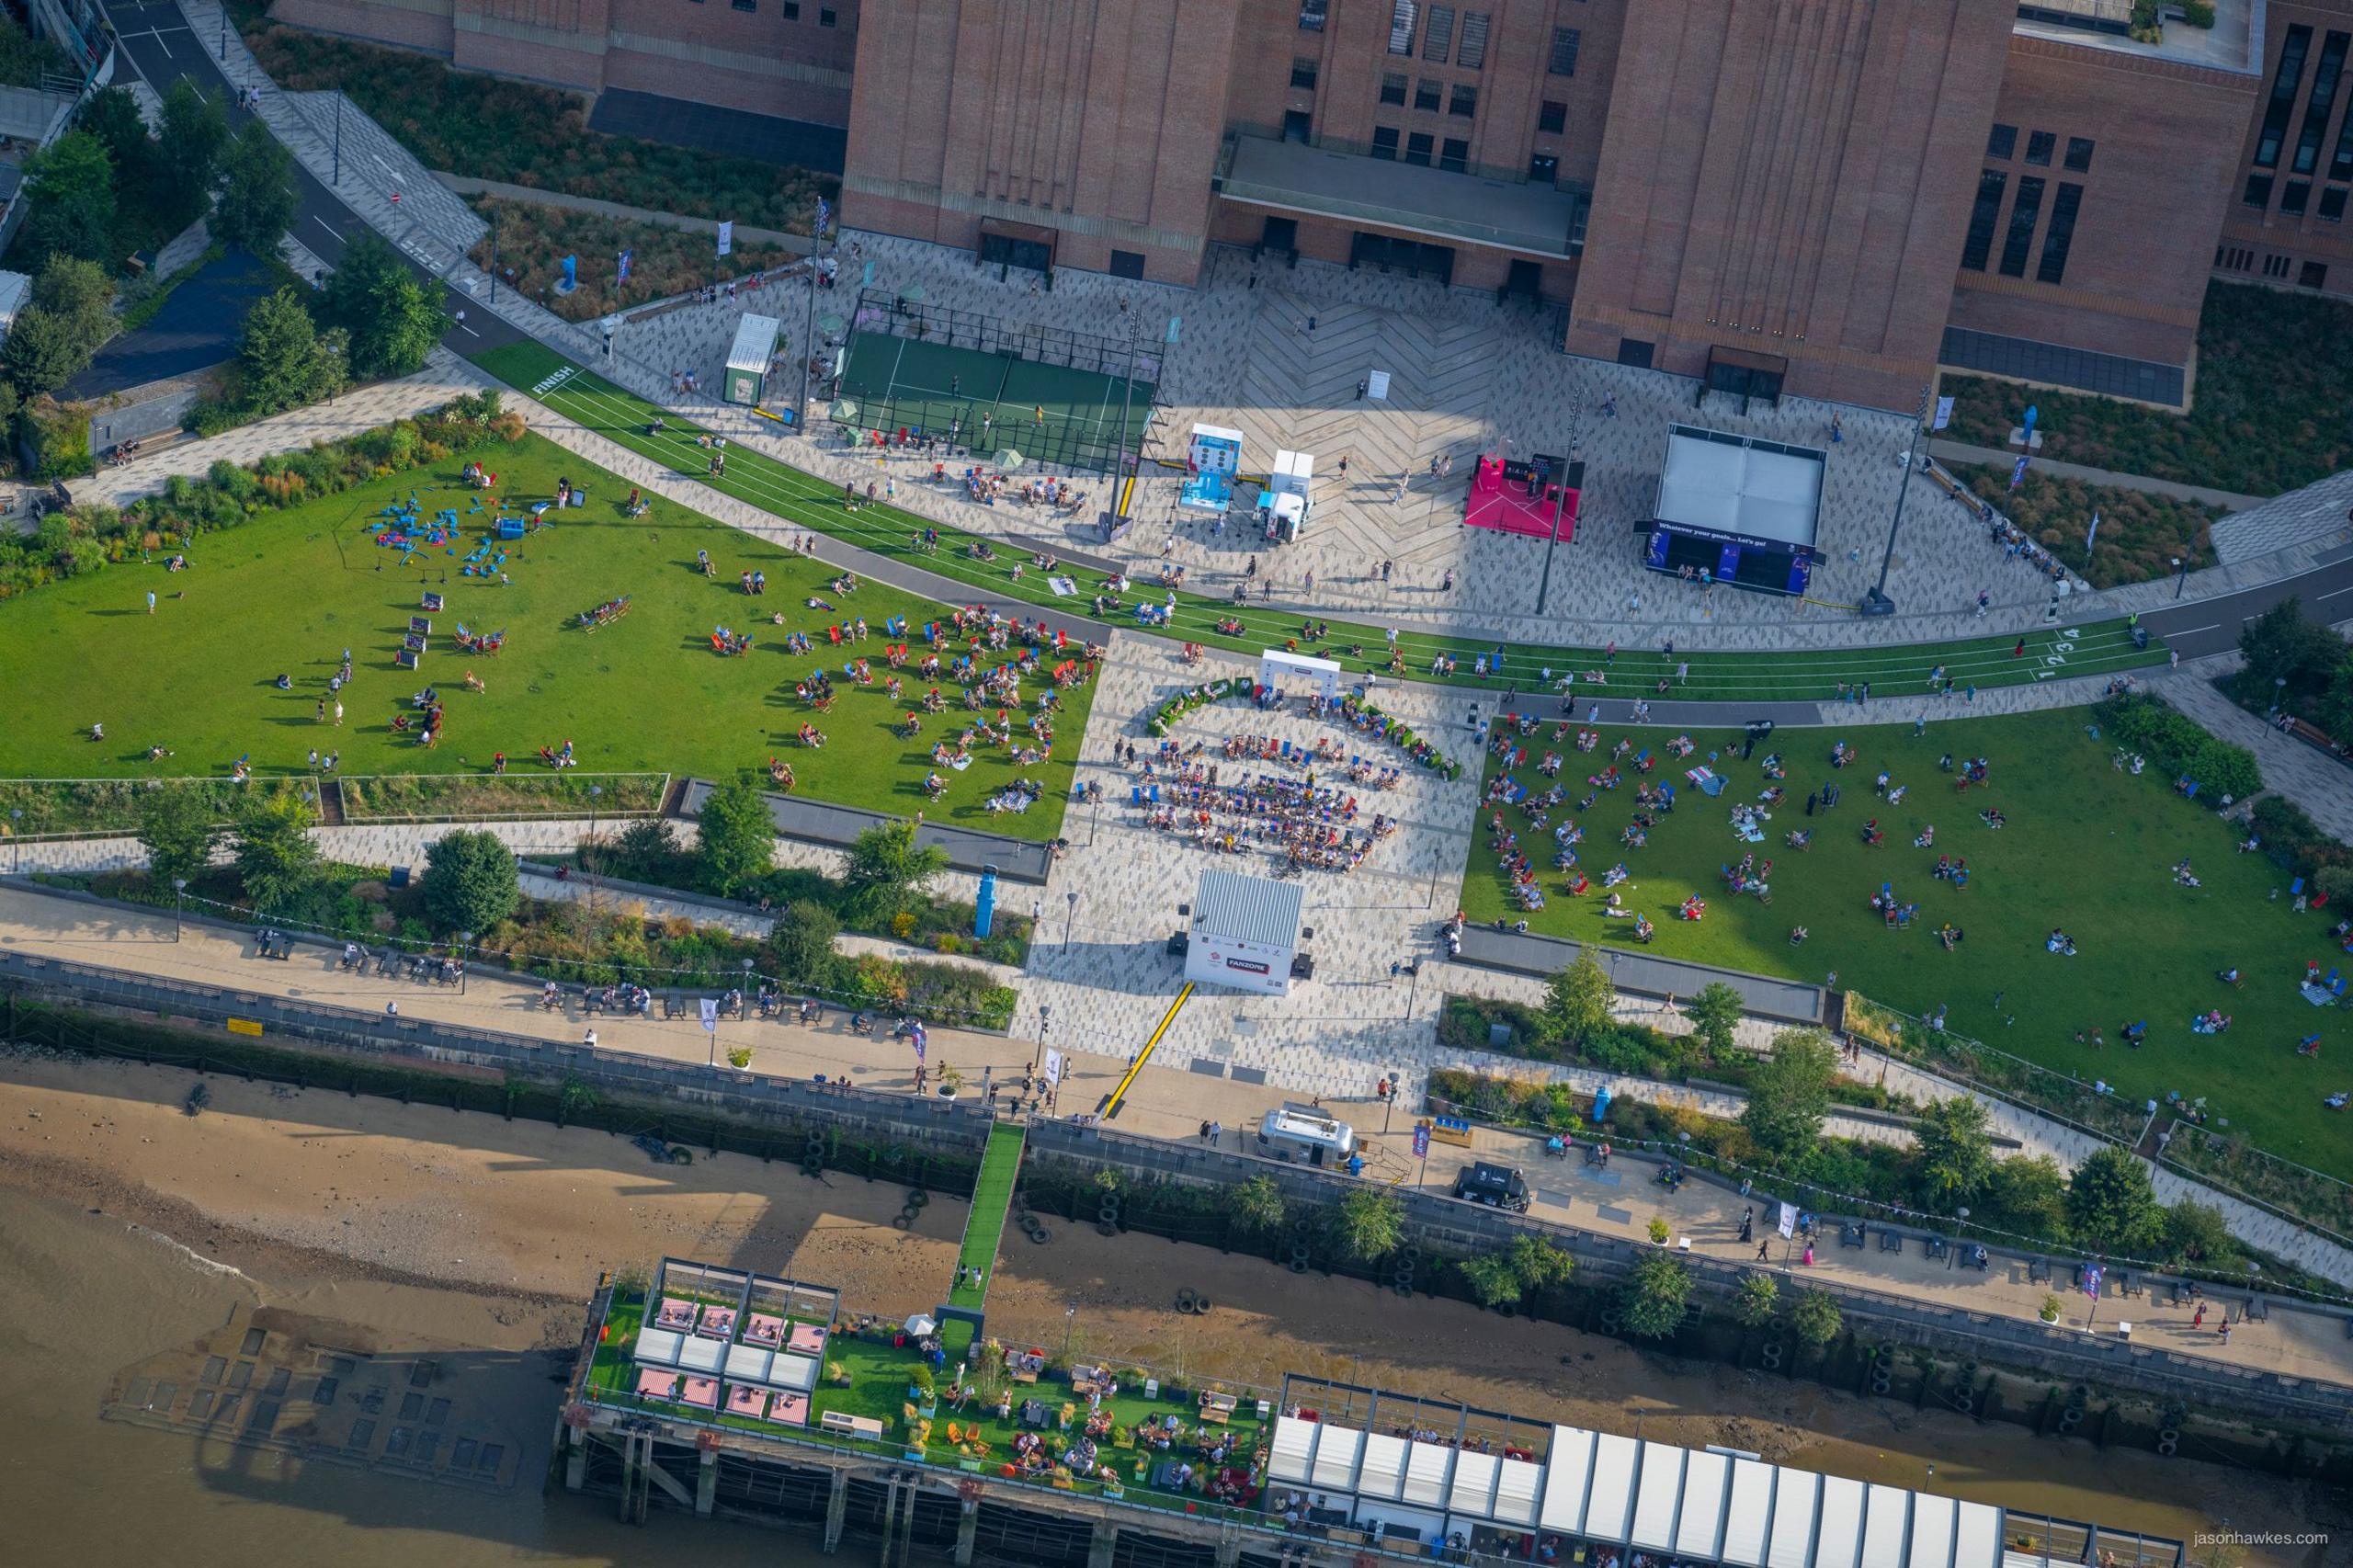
x,y
2182,746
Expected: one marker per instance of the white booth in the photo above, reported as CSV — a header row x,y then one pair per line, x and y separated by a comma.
x,y
1275,666
748,361
1245,933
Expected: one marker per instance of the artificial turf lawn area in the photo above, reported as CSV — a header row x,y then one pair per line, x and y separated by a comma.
x,y
901,383
809,503
984,1225
2088,849
879,1389
289,591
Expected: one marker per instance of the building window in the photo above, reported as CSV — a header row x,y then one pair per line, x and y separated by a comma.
x,y
1302,71
791,10
2023,211
2332,205
2233,258
2314,275
1473,53
746,5
2038,148
2294,197
1392,89
2293,49
2275,267
1385,142
1418,148
2325,77
1437,38
2341,165
2079,153
1127,264
1426,95
1551,117
1311,14
2053,269
1545,168
2257,194
1463,102
1402,15
2003,142
1455,155
1990,183
826,18
1635,352
1563,61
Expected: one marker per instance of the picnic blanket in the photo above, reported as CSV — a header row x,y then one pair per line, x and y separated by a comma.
x,y
1061,584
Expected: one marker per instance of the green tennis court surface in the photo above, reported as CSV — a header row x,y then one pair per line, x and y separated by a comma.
x,y
993,403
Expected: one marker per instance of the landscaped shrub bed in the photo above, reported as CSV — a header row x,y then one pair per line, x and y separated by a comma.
x,y
490,129
2272,411
407,796
2140,533
532,241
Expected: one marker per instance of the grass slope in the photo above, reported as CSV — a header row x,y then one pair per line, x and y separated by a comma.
x,y
984,1225
290,590
809,503
2088,850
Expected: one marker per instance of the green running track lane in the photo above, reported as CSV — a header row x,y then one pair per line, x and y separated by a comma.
x,y
805,502
984,1222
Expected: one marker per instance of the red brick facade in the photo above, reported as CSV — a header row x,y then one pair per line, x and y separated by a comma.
x,y
1827,182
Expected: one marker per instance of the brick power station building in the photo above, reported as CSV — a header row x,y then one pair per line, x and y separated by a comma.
x,y
1829,196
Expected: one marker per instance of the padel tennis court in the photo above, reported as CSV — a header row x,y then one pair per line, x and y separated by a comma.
x,y
991,403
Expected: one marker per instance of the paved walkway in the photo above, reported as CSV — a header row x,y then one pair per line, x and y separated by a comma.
x,y
1164,1103
445,376
2230,500
2312,778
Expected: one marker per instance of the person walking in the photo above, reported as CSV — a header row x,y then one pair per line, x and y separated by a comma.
x,y
1764,1249
151,601
2198,1320
1445,581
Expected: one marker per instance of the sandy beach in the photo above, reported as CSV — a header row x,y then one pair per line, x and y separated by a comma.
x,y
433,1227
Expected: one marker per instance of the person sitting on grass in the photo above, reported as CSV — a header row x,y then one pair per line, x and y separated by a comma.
x,y
1798,934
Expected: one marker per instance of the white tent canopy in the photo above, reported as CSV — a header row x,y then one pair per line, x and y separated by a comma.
x,y
1275,666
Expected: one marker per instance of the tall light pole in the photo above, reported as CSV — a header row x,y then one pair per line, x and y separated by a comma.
x,y
16,834
1071,919
809,332
2181,575
339,145
743,1002
465,946
179,904
1876,602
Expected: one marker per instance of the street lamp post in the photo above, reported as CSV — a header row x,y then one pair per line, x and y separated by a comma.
x,y
2181,575
809,332
1071,919
465,946
1876,602
1045,1022
338,142
17,836
743,1001
179,904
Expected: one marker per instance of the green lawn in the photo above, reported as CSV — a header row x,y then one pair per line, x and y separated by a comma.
x,y
984,1222
290,590
879,1387
2088,849
809,503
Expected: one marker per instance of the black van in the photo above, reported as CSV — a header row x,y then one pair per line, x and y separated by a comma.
x,y
1498,1186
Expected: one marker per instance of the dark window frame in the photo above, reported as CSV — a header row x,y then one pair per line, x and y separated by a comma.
x,y
1462,102
2256,193
1303,70
1394,86
2026,211
1984,217
1437,34
1428,94
2059,235
2288,75
2040,145
1471,48
1567,42
1454,155
2328,81
2295,198
1405,15
1313,14
2002,143
2079,155
1551,117
1385,140
1421,149
2332,205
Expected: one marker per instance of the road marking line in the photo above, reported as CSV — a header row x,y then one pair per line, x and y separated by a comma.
x,y
330,228
2332,594
2194,630
1111,1104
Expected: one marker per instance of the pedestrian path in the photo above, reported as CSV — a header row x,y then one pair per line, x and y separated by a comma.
x,y
1958,452
984,1221
2311,778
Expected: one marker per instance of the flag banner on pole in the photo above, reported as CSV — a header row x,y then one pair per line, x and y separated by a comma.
x,y
823,212
2018,474
922,1041
627,257
727,237
1788,1224
1944,414
2092,533
710,1015
2093,1274
1053,1065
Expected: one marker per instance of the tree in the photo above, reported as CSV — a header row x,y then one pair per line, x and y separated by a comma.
x,y
1577,999
112,115
42,353
258,201
70,184
1652,1301
470,882
1370,1224
2197,1232
2110,1205
2028,1194
282,362
1538,1263
887,869
277,859
2281,645
79,293
178,830
1493,1283
800,942
393,317
1956,1151
1714,1013
1813,1317
194,132
1756,1301
2333,712
1256,1206
1790,1094
738,838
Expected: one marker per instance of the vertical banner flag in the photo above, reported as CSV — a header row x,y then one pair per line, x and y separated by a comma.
x,y
1421,1139
2018,474
2092,1274
727,237
921,1040
627,257
1053,1065
1787,1225
823,212
2090,534
1944,414
710,1015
